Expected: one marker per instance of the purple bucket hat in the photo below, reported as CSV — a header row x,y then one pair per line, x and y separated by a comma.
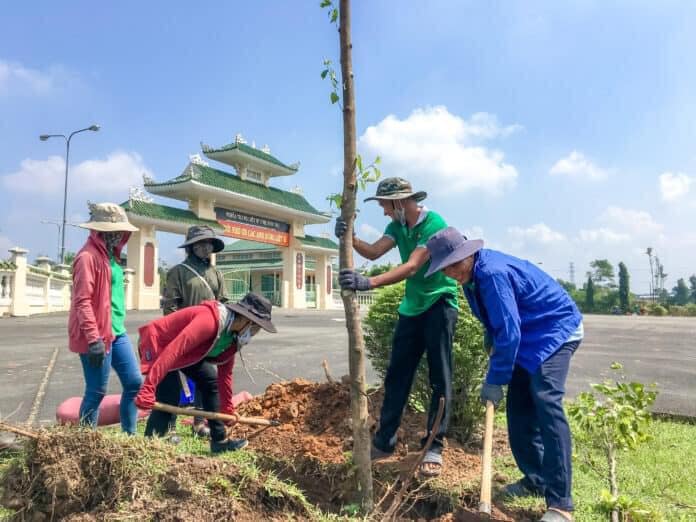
x,y
449,246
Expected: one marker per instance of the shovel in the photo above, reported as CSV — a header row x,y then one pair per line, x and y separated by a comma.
x,y
223,417
486,468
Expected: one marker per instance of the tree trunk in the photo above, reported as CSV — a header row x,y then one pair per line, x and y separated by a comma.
x,y
356,345
613,487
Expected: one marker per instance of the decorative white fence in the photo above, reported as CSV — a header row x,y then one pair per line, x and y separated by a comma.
x,y
364,298
26,289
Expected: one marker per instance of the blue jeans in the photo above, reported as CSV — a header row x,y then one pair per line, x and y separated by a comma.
x,y
538,429
431,332
122,359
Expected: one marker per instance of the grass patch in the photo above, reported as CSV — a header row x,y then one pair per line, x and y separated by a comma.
x,y
660,473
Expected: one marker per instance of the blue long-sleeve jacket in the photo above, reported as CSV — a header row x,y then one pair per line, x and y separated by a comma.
x,y
526,312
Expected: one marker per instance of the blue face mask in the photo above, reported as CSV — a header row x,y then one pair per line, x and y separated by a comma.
x,y
244,337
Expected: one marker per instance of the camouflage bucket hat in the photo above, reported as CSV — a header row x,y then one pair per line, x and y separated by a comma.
x,y
396,188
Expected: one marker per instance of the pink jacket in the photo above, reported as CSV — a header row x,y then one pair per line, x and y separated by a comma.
x,y
90,307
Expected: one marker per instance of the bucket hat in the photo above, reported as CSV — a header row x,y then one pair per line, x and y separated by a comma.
x,y
396,188
256,308
449,246
198,233
107,217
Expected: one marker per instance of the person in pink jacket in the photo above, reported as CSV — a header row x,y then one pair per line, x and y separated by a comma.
x,y
96,325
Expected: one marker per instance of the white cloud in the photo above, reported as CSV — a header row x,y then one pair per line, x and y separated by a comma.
x,y
635,222
539,233
110,177
16,78
441,152
577,165
369,232
674,186
473,232
603,235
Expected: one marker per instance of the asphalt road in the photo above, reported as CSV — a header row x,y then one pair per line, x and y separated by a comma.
x,y
38,372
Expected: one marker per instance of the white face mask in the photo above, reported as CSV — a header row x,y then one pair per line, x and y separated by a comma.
x,y
400,214
244,337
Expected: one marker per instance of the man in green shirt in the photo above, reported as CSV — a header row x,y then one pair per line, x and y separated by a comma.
x,y
427,314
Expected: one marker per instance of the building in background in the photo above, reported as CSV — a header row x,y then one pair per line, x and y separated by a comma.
x,y
275,256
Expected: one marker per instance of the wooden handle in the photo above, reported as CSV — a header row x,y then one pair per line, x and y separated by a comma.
x,y
487,467
223,417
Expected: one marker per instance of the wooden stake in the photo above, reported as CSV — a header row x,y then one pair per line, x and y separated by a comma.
x,y
487,468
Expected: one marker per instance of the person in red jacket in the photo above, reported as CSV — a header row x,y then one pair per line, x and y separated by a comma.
x,y
194,340
96,328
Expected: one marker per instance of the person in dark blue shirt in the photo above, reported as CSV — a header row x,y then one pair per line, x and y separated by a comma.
x,y
532,328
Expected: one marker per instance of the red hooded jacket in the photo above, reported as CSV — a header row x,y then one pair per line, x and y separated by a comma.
x,y
90,308
179,340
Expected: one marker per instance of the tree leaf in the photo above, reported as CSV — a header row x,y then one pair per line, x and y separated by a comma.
x,y
334,15
334,97
324,73
325,3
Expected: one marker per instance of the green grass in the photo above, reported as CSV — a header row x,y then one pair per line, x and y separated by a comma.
x,y
661,474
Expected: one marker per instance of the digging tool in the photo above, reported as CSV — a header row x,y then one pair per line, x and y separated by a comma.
x,y
223,417
486,468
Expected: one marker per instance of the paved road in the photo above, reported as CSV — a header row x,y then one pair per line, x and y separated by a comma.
x,y
34,358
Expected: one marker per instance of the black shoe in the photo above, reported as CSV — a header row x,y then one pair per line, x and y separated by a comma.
x,y
520,489
220,446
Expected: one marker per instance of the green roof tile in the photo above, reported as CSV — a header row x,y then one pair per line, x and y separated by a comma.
x,y
252,151
321,242
233,183
245,244
156,211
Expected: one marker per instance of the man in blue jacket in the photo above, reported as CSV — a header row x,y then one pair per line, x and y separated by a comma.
x,y
532,328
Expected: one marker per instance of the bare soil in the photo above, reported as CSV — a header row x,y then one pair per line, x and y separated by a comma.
x,y
75,474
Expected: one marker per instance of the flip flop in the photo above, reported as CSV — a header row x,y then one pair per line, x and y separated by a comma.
x,y
431,457
553,515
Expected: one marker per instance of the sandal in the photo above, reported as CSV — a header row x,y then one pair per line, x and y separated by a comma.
x,y
555,515
432,464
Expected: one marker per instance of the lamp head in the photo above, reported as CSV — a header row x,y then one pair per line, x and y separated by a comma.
x,y
44,137
94,128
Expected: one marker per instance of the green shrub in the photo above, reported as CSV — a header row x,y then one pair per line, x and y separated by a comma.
x,y
468,359
657,309
691,309
678,310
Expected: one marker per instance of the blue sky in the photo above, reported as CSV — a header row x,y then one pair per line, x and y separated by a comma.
x,y
560,132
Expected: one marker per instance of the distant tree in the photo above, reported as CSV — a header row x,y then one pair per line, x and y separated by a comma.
x,y
623,287
602,272
589,295
69,257
378,269
692,284
680,292
162,270
567,285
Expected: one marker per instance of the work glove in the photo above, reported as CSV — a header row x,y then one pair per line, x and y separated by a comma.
x,y
144,401
353,280
340,228
95,353
491,392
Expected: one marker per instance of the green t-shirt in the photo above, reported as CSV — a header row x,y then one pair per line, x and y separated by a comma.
x,y
421,292
118,299
222,345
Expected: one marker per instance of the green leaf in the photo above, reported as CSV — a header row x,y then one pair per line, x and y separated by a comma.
x,y
324,73
334,15
358,161
616,366
325,3
334,97
378,160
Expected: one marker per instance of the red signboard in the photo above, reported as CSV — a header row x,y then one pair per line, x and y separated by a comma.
x,y
149,275
328,279
299,270
254,228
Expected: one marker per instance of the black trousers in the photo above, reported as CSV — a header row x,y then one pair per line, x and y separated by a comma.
x,y
431,332
204,375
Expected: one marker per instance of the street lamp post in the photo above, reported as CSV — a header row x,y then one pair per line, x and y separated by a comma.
x,y
44,137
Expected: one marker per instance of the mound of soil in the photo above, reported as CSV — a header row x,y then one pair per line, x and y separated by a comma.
x,y
75,474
